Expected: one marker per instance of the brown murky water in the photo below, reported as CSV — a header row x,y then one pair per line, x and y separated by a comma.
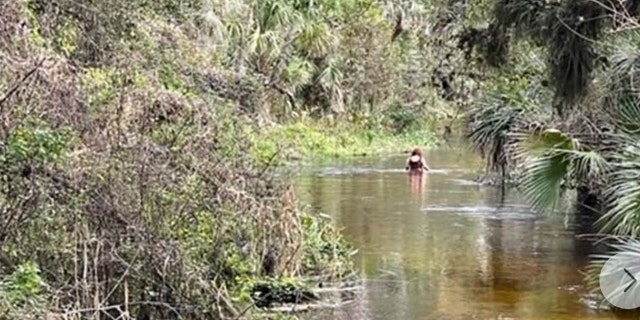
x,y
445,248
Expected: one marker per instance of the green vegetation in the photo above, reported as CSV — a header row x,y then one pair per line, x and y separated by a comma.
x,y
339,78
564,121
304,140
138,141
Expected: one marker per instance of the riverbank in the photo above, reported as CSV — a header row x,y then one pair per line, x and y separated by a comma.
x,y
306,140
128,192
150,190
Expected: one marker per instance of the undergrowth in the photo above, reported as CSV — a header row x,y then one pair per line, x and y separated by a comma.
x,y
305,140
126,189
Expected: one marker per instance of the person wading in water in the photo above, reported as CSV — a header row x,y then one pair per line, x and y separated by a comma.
x,y
416,162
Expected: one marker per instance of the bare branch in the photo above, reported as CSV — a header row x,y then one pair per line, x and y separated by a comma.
x,y
16,86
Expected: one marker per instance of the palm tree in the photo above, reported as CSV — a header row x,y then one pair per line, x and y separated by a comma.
x,y
595,151
572,147
568,30
604,161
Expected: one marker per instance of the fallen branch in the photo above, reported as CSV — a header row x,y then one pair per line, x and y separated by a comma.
x,y
15,87
337,289
308,307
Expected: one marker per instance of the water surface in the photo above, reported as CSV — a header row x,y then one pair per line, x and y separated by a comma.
x,y
443,247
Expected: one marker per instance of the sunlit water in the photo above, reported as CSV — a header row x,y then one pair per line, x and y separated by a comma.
x,y
446,248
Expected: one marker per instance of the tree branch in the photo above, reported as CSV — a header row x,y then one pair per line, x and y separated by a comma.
x,y
15,88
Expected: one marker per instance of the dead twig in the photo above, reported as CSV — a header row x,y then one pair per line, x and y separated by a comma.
x,y
19,84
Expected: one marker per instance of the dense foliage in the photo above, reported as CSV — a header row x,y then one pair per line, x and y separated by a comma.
x,y
576,130
138,137
128,184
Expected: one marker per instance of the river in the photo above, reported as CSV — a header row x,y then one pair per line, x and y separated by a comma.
x,y
446,248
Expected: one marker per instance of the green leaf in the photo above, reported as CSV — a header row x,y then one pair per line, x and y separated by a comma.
x,y
542,180
298,72
537,144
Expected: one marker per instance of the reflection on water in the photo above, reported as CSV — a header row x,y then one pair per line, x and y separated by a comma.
x,y
442,247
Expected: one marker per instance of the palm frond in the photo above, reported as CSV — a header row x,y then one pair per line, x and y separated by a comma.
x,y
316,38
627,114
588,165
552,159
272,14
575,29
623,191
526,16
627,246
264,44
489,126
536,144
625,60
623,85
298,72
331,76
542,180
212,23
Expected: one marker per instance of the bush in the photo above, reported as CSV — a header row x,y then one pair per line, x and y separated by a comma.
x,y
126,187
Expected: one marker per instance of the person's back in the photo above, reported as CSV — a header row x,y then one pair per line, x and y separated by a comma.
x,y
416,162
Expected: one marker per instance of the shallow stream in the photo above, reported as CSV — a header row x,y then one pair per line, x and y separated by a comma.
x,y
443,247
